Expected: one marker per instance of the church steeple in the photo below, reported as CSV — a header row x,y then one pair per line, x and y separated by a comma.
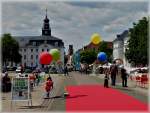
x,y
46,30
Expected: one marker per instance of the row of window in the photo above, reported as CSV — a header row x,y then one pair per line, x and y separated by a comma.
x,y
37,43
30,64
30,57
32,50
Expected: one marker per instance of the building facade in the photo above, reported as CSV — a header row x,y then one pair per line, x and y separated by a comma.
x,y
120,46
32,46
92,46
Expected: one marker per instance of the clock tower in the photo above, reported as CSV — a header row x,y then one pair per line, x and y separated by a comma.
x,y
46,30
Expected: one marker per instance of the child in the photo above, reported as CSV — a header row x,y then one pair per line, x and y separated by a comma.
x,y
106,78
48,86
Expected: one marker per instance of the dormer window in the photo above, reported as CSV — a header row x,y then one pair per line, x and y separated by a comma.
x,y
56,44
34,43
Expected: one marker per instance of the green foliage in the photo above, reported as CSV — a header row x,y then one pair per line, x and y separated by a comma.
x,y
10,49
104,48
138,43
88,56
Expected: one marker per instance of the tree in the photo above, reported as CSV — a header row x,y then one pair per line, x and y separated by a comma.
x,y
10,50
138,43
104,48
88,56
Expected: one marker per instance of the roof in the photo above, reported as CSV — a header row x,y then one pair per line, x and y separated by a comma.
x,y
36,37
24,40
121,36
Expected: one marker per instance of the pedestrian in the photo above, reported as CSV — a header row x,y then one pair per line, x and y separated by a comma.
x,y
66,70
32,79
48,86
106,78
124,77
37,78
113,72
6,83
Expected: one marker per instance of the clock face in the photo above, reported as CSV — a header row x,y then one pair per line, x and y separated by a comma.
x,y
46,26
46,32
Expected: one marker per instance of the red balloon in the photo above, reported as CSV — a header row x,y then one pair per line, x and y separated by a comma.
x,y
45,58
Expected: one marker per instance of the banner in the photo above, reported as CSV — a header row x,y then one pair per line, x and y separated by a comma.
x,y
21,89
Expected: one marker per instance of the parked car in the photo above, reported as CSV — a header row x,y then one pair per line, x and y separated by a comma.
x,y
18,69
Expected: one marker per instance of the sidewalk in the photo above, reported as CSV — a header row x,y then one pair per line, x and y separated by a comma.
x,y
38,103
131,85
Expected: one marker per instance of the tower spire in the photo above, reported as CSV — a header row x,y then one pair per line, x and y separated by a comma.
x,y
46,30
46,12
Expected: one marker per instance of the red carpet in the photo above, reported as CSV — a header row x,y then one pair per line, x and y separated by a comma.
x,y
97,98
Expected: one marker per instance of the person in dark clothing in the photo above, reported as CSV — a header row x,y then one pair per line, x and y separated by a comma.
x,y
37,78
6,83
113,72
124,77
101,70
106,78
106,81
66,70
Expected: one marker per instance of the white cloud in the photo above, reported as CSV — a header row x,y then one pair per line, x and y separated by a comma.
x,y
74,23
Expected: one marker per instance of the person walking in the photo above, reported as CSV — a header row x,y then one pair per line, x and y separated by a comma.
x,y
66,70
113,73
32,79
37,78
124,77
48,86
6,83
106,78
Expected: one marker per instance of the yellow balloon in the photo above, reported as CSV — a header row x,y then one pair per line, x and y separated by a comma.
x,y
96,38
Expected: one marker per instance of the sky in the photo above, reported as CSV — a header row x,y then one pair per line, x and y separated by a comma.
x,y
73,22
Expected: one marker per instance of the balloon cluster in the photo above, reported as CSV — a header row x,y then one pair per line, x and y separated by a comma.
x,y
47,57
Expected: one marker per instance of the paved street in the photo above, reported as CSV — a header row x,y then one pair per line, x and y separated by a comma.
x,y
57,101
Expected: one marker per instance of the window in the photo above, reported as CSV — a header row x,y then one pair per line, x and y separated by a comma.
x,y
31,56
36,56
56,44
24,50
42,49
46,32
47,50
24,57
34,43
31,64
36,50
25,64
31,50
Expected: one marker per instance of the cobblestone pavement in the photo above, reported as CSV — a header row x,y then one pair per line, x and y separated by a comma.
x,y
57,100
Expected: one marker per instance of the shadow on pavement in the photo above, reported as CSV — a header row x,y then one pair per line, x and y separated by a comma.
x,y
76,96
55,97
32,107
121,88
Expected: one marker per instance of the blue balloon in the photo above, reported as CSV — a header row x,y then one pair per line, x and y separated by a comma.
x,y
102,56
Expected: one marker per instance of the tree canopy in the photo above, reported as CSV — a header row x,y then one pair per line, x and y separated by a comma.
x,y
10,49
138,43
104,48
88,56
